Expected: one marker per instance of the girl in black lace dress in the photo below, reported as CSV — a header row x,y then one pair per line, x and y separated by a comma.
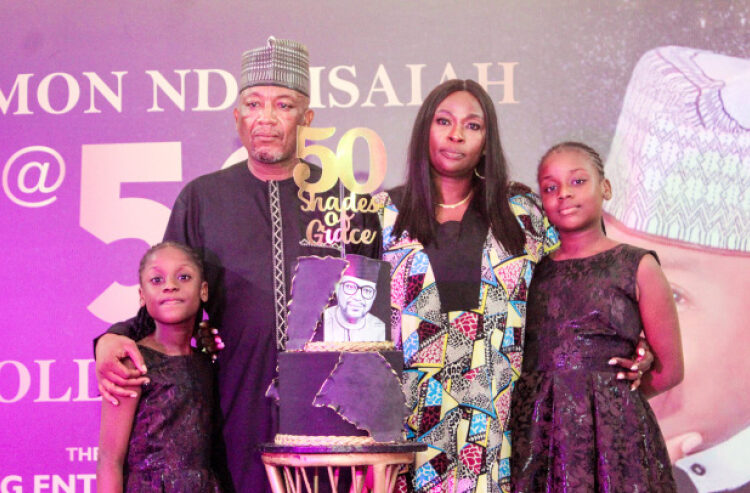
x,y
164,439
576,425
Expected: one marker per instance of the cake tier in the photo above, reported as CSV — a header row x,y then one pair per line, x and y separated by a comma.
x,y
301,376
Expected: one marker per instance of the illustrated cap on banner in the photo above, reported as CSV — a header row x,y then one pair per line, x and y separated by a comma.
x,y
680,158
281,62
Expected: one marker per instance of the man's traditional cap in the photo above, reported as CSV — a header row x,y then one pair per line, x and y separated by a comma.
x,y
680,158
281,62
364,268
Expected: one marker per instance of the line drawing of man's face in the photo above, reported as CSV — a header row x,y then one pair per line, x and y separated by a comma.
x,y
355,297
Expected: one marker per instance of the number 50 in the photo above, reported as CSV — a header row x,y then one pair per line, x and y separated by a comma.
x,y
339,165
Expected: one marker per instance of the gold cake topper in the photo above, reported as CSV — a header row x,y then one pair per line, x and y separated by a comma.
x,y
338,211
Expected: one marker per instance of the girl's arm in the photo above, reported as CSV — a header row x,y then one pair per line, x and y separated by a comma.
x,y
662,329
114,436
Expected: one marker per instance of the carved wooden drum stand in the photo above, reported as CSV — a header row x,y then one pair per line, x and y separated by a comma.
x,y
302,469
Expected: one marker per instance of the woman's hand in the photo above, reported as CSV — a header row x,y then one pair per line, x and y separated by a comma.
x,y
208,340
113,377
641,362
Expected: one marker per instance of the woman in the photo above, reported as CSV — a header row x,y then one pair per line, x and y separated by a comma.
x,y
463,243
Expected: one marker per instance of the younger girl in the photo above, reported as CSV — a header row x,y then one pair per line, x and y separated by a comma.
x,y
576,425
163,439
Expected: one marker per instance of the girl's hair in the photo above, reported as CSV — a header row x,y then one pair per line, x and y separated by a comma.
x,y
580,147
417,211
189,252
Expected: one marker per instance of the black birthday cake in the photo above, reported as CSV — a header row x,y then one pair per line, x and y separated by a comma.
x,y
340,377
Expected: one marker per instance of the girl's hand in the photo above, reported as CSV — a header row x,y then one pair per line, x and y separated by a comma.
x,y
113,377
642,361
208,340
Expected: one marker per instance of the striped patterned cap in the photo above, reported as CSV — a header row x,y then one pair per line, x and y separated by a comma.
x,y
281,62
680,158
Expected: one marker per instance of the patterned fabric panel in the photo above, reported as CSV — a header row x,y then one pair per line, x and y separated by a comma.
x,y
460,367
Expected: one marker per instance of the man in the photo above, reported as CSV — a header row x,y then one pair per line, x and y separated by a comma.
x,y
247,224
350,319
680,171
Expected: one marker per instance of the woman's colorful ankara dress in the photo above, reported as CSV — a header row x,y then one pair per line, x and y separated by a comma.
x,y
461,362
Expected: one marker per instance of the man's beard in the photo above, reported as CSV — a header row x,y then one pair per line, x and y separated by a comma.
x,y
269,157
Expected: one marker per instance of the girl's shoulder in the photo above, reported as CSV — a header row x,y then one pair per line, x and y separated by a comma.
x,y
634,253
166,368
151,352
151,356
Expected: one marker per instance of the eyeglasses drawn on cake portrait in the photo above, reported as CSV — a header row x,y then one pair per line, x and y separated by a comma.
x,y
361,305
680,171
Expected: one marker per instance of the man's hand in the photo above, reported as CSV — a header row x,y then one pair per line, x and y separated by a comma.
x,y
112,376
640,364
208,340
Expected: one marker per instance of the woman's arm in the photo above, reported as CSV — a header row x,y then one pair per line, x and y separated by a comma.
x,y
114,436
662,329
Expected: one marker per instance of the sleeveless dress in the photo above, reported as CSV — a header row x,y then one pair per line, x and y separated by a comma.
x,y
575,427
175,427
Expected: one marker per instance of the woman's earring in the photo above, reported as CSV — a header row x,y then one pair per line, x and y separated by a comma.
x,y
478,175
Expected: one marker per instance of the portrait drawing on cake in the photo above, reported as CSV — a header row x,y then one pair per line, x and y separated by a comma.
x,y
358,311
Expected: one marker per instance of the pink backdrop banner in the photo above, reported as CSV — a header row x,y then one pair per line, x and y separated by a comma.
x,y
108,109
